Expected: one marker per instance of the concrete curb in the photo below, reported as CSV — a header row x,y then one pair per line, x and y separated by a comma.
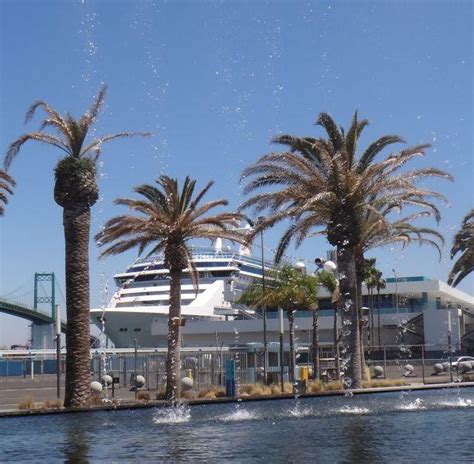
x,y
131,404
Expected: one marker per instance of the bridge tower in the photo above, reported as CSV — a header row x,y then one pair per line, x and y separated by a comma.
x,y
42,335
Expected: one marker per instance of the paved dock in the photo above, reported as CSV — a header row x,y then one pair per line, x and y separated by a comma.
x,y
43,387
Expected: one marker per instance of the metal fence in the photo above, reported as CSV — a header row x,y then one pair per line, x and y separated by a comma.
x,y
206,366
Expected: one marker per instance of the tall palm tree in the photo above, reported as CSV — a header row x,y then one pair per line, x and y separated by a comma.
x,y
6,186
76,191
289,289
464,244
166,218
323,188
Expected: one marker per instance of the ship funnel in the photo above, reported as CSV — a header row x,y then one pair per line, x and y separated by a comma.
x,y
218,245
244,251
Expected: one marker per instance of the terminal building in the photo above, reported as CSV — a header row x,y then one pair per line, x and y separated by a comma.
x,y
409,311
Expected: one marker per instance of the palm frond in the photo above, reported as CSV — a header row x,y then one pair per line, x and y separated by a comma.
x,y
15,146
55,115
96,143
91,115
334,133
375,148
6,185
463,243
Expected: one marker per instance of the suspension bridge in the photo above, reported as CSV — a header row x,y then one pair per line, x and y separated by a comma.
x,y
42,314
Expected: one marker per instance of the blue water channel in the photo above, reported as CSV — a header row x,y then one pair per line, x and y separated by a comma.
x,y
421,427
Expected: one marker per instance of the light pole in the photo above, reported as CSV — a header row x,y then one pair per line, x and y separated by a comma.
x,y
330,267
264,308
396,290
282,353
301,267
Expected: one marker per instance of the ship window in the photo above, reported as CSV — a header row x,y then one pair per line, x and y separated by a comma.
x,y
137,330
221,273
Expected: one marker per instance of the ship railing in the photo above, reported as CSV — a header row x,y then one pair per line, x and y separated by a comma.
x,y
248,313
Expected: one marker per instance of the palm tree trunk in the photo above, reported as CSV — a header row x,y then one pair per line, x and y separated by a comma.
x,y
173,360
76,221
350,314
315,345
291,321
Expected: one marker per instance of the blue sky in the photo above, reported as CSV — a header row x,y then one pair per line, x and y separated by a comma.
x,y
214,81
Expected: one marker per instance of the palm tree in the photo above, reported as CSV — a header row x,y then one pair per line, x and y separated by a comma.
x,y
76,191
289,289
372,278
463,243
323,188
6,186
166,219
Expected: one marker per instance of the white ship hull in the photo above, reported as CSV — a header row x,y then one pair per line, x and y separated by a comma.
x,y
150,329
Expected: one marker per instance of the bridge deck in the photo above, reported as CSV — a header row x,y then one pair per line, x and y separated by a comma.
x,y
28,313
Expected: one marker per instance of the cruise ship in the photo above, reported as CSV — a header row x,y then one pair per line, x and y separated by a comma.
x,y
411,310
139,308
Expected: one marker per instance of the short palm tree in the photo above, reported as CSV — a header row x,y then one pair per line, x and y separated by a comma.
x,y
76,191
371,277
323,188
6,186
464,244
165,219
291,290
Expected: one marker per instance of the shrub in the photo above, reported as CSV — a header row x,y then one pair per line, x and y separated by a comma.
x,y
211,392
26,403
189,395
257,389
161,394
287,387
275,389
143,395
53,404
333,386
96,398
314,386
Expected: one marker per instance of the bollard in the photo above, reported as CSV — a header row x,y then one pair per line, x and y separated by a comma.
x,y
378,371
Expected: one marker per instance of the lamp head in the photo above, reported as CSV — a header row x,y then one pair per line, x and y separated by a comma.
x,y
300,266
319,262
329,266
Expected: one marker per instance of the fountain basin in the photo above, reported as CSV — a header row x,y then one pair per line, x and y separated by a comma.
x,y
385,427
